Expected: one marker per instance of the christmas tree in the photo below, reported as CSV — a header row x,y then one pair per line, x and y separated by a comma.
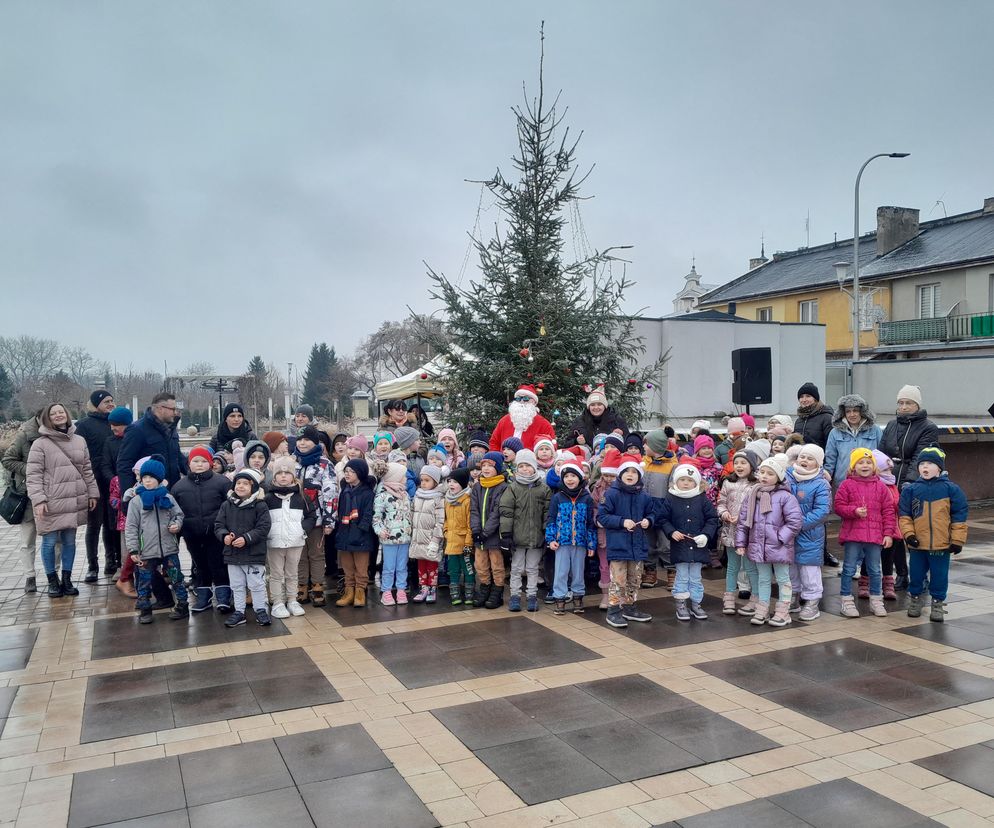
x,y
532,317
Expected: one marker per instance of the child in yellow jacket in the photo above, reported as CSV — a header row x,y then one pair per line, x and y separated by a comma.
x,y
458,537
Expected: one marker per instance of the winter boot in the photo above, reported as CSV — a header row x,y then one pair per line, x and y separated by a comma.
x,y
749,607
360,597
682,613
864,586
222,599
633,613
760,614
126,588
728,603
532,603
670,578
432,595
781,616
514,603
889,593
877,606
317,594
67,587
30,585
914,606
795,602
455,594
203,601
809,612
697,611
422,596
145,616
348,596
302,596
54,587
849,607
615,618
560,607
496,597
604,599
180,611
577,605
938,611
715,560
481,595
649,577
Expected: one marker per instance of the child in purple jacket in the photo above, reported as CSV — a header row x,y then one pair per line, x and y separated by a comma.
x,y
769,521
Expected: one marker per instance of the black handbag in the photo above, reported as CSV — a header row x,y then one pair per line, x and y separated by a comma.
x,y
13,506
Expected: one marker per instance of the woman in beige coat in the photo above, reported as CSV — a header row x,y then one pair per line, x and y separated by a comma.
x,y
62,490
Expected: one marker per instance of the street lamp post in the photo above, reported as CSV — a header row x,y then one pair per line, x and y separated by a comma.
x,y
855,254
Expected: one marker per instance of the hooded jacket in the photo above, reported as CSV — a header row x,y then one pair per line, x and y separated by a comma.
x,y
814,426
291,517
15,458
903,438
148,436
772,535
621,503
815,499
484,512
692,516
935,512
146,531
267,472
872,493
247,519
59,475
523,509
391,516
95,430
842,439
427,520
730,496
200,496
355,518
458,534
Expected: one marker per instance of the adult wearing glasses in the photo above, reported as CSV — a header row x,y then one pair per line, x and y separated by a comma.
x,y
522,421
154,433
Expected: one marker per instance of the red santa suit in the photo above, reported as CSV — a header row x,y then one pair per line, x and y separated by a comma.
x,y
537,428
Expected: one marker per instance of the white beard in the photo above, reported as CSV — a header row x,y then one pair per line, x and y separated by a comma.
x,y
522,416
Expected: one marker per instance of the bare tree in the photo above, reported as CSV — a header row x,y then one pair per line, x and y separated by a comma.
x,y
29,358
79,364
395,349
200,368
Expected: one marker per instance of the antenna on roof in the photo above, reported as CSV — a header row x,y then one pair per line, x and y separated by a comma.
x,y
762,245
939,201
807,229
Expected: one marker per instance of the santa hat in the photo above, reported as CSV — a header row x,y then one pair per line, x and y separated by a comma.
x,y
527,391
628,461
575,468
578,453
545,440
612,461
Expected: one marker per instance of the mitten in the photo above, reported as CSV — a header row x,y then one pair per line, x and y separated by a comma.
x,y
911,541
478,538
955,548
701,541
506,543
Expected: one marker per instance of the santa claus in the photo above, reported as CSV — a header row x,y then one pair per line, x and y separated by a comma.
x,y
522,421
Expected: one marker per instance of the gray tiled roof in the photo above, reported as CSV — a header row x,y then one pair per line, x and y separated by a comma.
x,y
963,238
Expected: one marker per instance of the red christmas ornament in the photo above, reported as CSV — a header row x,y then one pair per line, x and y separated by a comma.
x,y
540,385
633,382
529,375
523,353
424,375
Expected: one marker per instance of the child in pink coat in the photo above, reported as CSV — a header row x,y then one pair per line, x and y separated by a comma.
x,y
866,507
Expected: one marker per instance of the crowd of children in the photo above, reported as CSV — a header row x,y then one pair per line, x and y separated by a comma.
x,y
474,520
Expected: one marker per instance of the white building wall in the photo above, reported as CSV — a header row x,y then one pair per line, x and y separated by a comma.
x,y
958,387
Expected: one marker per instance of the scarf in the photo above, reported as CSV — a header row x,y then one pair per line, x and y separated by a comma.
x,y
762,494
490,482
705,462
284,491
804,411
455,498
527,480
310,458
429,494
801,475
395,488
545,465
631,488
887,478
573,494
240,503
552,478
159,496
684,494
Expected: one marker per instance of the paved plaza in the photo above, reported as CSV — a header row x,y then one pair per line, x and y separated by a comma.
x,y
447,716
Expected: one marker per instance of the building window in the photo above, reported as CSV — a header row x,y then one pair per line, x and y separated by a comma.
x,y
807,311
764,314
929,299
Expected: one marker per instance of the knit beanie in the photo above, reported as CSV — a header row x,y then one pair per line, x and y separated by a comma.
x,y
309,432
121,416
99,396
405,437
702,440
284,464
480,439
751,457
359,442
460,476
932,454
153,468
381,435
736,425
685,470
885,467
704,425
273,439
858,454
781,420
911,392
545,440
232,408
434,472
657,441
597,396
513,443
202,452
611,464
360,467
778,464
749,420
815,451
809,388
306,410
257,446
254,476
761,448
448,432
633,441
496,458
438,450
397,456
526,456
616,441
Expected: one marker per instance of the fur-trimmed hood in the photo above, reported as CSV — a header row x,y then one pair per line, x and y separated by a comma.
x,y
386,424
852,401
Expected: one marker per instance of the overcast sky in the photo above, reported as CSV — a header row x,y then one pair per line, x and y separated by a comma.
x,y
210,180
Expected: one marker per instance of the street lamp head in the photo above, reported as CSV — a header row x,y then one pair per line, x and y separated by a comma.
x,y
898,154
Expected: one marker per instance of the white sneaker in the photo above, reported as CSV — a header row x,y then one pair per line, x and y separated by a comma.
x,y
280,611
294,608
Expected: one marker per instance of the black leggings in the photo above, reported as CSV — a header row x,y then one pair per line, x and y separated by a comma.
x,y
208,559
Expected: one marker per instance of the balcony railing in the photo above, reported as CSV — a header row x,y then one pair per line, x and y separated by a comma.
x,y
941,329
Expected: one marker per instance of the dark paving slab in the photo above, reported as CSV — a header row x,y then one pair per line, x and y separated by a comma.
x,y
665,631
850,684
114,637
332,777
975,633
159,698
374,612
971,766
6,702
554,743
472,650
759,812
845,802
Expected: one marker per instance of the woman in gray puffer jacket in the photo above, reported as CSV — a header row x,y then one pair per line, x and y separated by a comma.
x,y
62,490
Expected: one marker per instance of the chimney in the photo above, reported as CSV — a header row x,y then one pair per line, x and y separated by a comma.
x,y
731,309
895,226
988,206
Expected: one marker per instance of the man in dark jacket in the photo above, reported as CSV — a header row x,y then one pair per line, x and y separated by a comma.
x,y
95,429
154,433
814,418
597,418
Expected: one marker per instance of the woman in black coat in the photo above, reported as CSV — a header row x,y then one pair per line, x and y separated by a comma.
x,y
597,418
907,434
233,427
814,418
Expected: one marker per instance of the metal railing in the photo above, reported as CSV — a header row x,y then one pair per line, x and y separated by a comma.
x,y
940,329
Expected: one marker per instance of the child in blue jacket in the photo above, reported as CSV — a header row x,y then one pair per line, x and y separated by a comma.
x,y
814,494
571,534
626,514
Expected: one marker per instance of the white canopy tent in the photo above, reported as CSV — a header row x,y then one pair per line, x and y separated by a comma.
x,y
426,381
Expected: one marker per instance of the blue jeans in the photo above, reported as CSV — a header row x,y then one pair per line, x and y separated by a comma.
x,y
736,563
67,537
869,553
687,583
936,564
766,572
394,566
569,568
171,570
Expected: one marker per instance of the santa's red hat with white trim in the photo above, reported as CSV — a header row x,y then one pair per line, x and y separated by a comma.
x,y
527,391
576,468
611,462
629,461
